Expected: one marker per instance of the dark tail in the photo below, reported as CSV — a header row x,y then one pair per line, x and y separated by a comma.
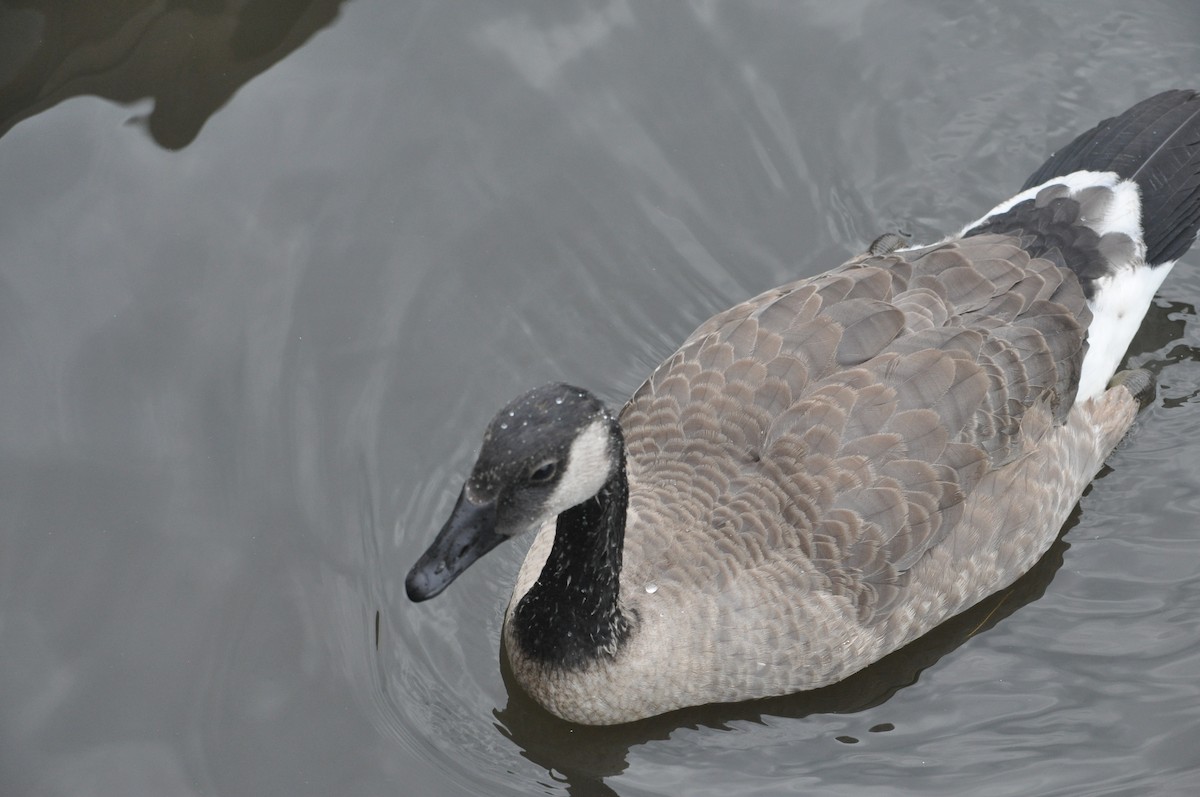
x,y
1156,143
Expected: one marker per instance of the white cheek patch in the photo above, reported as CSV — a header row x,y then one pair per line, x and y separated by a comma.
x,y
589,464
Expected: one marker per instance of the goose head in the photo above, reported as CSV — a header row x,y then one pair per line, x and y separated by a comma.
x,y
551,449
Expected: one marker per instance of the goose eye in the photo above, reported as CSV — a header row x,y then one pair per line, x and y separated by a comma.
x,y
544,472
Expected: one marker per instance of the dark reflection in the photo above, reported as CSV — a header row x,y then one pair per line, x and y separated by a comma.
x,y
1165,322
1160,343
583,756
188,56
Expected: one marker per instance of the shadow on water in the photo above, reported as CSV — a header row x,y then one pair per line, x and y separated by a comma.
x,y
581,757
189,56
1160,342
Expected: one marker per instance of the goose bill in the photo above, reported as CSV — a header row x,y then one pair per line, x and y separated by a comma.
x,y
468,534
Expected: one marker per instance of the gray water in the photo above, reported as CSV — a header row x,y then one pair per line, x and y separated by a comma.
x,y
267,269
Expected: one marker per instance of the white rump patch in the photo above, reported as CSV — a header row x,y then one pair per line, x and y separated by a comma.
x,y
1121,299
589,464
1123,215
1120,304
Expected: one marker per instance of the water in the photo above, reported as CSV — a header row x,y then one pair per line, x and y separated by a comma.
x,y
268,269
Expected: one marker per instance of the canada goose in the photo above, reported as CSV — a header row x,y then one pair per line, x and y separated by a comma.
x,y
825,472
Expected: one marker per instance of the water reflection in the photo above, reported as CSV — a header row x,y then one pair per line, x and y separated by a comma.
x,y
189,56
1160,342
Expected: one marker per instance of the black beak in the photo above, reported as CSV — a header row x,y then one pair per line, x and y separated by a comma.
x,y
468,534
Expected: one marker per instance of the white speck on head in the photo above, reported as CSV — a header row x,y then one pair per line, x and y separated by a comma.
x,y
651,588
589,464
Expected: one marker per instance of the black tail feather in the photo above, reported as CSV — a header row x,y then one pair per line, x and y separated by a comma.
x,y
1156,143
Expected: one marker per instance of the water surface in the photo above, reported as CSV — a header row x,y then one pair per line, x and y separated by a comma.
x,y
267,269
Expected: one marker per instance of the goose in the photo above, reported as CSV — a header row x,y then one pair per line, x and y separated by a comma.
x,y
825,472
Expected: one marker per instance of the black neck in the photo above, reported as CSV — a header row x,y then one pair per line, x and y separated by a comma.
x,y
572,616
